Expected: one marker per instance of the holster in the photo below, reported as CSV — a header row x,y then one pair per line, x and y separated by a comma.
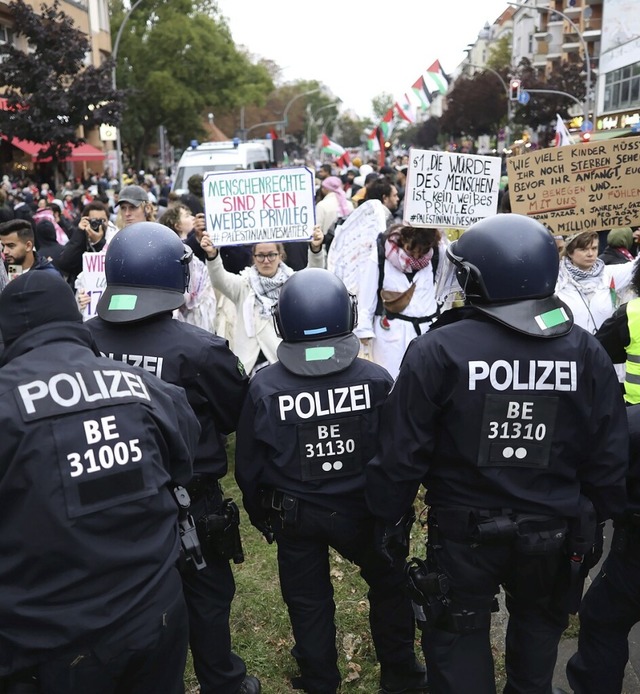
x,y
284,504
191,550
219,532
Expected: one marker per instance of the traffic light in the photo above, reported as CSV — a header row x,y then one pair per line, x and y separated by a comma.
x,y
514,90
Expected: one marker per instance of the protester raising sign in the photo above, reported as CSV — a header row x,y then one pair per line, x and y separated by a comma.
x,y
583,187
93,280
259,206
450,190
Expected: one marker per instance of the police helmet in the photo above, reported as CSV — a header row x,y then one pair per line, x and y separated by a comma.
x,y
315,316
147,272
507,266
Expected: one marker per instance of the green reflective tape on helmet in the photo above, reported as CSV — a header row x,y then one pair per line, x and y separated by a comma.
x,y
550,319
123,302
319,353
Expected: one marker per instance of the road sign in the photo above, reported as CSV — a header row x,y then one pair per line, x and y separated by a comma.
x,y
524,97
587,126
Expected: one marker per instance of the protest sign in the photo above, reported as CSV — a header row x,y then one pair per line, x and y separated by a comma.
x,y
259,206
585,187
94,281
450,190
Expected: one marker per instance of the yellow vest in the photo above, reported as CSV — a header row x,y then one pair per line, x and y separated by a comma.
x,y
632,377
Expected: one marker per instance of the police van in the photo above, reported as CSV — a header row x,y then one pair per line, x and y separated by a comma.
x,y
223,156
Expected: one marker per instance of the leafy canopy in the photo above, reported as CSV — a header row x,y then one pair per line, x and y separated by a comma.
x,y
49,89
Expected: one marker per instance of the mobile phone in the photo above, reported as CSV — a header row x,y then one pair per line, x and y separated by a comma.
x,y
13,271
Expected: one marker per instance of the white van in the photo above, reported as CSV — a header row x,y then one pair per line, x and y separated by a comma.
x,y
221,156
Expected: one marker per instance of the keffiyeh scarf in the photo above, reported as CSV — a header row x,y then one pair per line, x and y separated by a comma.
x,y
267,289
401,260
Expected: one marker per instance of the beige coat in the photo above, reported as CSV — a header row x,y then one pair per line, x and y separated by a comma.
x,y
253,332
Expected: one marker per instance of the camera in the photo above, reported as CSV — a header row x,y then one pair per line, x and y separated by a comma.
x,y
96,224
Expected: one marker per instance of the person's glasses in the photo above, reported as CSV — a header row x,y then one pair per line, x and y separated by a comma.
x,y
262,257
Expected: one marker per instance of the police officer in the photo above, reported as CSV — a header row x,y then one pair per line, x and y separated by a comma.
x,y
90,596
147,272
611,606
512,419
304,438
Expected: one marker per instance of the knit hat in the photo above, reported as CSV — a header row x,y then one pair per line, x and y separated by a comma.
x,y
33,299
621,237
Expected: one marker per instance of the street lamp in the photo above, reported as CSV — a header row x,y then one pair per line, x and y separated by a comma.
x,y
288,106
312,117
583,43
114,57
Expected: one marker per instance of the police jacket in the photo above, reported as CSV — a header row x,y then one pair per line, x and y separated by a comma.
x,y
310,436
192,358
88,528
490,418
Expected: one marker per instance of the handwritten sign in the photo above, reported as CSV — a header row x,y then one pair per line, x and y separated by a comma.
x,y
94,281
450,190
585,187
259,206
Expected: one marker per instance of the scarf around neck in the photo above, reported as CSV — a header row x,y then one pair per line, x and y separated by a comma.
x,y
267,289
401,260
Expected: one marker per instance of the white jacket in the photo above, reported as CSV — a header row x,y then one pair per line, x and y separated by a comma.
x,y
253,332
591,313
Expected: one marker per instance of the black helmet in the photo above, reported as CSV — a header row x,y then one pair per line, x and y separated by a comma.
x,y
315,316
147,272
507,266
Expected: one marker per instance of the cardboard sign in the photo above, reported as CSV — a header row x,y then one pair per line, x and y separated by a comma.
x,y
585,187
450,190
94,281
259,206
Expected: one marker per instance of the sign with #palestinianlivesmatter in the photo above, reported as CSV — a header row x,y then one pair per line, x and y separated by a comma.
x,y
259,205
591,186
450,190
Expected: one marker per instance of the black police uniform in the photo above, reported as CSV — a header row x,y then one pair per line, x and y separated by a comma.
x,y
302,445
506,432
89,590
611,606
216,385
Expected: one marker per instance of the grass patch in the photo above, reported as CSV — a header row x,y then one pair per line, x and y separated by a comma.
x,y
260,628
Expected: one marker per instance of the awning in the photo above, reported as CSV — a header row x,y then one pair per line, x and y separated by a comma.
x,y
83,152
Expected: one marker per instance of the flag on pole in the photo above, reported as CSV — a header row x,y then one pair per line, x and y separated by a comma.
x,y
420,90
343,161
404,108
438,77
562,134
386,125
331,147
373,144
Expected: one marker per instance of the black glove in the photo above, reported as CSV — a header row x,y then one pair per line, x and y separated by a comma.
x,y
392,541
265,528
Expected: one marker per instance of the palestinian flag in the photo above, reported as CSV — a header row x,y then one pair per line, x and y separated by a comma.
x,y
344,161
420,90
386,126
405,110
373,144
438,77
331,147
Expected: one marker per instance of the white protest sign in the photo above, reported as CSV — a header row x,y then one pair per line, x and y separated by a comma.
x,y
94,281
259,206
450,190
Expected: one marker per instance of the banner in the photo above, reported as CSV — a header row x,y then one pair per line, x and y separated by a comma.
x,y
450,190
259,206
94,281
585,187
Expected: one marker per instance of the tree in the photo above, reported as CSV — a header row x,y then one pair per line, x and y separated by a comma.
x,y
381,104
500,54
542,108
178,61
475,106
49,91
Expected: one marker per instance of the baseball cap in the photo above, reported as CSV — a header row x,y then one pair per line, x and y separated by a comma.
x,y
136,195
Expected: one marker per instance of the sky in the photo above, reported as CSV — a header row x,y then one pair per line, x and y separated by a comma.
x,y
359,49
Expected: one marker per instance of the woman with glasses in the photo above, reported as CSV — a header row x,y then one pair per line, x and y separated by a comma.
x,y
254,292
